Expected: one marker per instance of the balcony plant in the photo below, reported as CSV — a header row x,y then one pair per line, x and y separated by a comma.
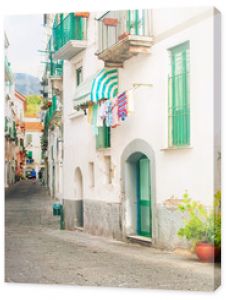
x,y
202,226
83,14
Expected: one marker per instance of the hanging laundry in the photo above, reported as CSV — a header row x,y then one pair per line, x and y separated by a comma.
x,y
90,113
130,101
108,120
94,119
115,118
100,120
103,110
122,106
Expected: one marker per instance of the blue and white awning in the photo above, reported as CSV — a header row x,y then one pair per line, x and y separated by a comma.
x,y
105,85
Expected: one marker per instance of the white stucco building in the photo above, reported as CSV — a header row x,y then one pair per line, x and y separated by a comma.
x,y
125,183
52,145
10,125
33,133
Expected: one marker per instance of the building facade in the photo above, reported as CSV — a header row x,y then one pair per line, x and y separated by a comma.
x,y
20,106
52,139
10,124
33,133
125,181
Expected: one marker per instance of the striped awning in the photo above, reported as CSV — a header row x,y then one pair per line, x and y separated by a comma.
x,y
105,85
83,91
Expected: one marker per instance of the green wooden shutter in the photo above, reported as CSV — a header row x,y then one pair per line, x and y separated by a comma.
x,y
54,103
104,137
179,109
135,22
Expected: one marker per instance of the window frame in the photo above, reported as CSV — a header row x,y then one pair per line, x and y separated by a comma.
x,y
179,92
105,133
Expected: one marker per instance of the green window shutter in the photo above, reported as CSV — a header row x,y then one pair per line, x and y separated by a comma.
x,y
135,22
107,137
103,138
179,108
54,103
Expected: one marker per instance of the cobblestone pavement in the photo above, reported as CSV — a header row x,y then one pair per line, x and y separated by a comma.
x,y
37,251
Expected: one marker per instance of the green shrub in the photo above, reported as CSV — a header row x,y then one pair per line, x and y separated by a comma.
x,y
201,224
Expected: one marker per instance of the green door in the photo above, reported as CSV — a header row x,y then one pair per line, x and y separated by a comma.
x,y
144,199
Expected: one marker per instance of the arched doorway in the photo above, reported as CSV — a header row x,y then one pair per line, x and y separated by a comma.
x,y
138,189
78,190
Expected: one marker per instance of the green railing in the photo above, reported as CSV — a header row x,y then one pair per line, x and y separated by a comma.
x,y
55,68
116,25
70,28
50,112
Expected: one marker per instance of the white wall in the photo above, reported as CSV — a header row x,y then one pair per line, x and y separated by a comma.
x,y
35,145
176,170
55,159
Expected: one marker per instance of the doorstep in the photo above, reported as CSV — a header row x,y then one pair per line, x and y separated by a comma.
x,y
79,228
140,239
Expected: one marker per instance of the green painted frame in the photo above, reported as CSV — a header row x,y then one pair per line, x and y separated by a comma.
x,y
178,102
141,203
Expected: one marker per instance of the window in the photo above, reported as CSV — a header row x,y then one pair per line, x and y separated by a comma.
x,y
78,76
135,22
103,138
178,89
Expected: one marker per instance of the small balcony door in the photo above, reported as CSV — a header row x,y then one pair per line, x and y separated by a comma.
x,y
135,22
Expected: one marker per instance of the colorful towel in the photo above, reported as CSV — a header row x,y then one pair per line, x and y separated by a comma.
x,y
115,119
122,106
100,120
108,120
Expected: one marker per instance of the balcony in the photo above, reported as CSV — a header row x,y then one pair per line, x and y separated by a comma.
x,y
55,69
122,35
54,113
56,74
69,36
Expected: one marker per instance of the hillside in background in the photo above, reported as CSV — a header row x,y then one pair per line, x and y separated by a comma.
x,y
33,104
27,84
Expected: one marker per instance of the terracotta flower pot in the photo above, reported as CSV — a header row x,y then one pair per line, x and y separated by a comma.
x,y
83,14
207,252
110,21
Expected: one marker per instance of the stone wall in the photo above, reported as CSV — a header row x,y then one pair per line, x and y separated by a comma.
x,y
102,218
169,220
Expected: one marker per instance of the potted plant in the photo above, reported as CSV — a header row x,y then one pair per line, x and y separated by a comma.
x,y
110,22
202,226
83,14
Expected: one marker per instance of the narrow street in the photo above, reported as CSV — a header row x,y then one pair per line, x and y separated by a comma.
x,y
37,251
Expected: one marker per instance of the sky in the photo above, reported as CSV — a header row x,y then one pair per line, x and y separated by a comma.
x,y
26,36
